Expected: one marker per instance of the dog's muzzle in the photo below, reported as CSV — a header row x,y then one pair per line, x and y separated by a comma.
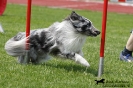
x,y
92,32
95,33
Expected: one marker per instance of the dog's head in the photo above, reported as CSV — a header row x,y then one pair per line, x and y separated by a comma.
x,y
83,25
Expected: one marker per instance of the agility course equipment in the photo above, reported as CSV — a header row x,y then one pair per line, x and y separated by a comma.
x,y
104,19
28,18
101,62
2,6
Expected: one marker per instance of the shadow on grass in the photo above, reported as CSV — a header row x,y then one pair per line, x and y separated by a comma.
x,y
74,68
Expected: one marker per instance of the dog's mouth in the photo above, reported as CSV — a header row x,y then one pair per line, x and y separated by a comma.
x,y
90,30
92,33
95,33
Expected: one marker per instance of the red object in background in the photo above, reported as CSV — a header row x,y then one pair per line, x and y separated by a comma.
x,y
121,0
2,6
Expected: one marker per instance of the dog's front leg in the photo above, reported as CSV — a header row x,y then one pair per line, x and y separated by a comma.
x,y
79,59
80,53
76,57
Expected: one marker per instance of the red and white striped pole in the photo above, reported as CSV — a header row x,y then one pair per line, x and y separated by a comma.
x,y
104,19
3,4
27,59
28,23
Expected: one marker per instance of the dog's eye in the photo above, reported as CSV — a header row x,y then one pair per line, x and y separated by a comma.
x,y
89,24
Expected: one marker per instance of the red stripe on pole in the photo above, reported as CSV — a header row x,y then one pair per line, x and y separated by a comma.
x,y
103,28
28,23
3,4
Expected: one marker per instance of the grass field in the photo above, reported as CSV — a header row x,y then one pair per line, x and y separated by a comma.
x,y
58,73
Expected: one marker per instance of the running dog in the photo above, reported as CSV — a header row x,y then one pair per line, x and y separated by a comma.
x,y
64,39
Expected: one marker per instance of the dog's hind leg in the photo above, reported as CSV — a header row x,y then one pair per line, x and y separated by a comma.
x,y
76,57
23,59
20,59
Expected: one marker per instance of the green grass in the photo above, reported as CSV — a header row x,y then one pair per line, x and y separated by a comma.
x,y
58,73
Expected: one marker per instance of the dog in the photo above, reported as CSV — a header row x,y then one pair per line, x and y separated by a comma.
x,y
62,39
100,81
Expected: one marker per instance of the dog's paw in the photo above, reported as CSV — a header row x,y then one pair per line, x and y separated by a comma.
x,y
81,60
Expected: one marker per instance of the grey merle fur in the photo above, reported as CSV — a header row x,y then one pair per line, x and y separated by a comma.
x,y
64,39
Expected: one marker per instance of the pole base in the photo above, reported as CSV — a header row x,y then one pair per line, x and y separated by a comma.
x,y
101,65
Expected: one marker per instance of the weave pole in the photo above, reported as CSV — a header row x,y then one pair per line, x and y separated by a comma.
x,y
28,17
104,19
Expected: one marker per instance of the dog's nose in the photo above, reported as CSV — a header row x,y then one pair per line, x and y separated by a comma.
x,y
98,32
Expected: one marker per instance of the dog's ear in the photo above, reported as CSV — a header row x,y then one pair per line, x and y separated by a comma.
x,y
75,19
74,16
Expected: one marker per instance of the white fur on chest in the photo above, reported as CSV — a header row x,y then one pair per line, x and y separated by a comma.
x,y
70,39
73,43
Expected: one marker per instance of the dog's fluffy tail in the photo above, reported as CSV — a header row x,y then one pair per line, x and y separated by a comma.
x,y
15,48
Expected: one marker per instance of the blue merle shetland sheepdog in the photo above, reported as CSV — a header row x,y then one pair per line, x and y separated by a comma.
x,y
62,39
